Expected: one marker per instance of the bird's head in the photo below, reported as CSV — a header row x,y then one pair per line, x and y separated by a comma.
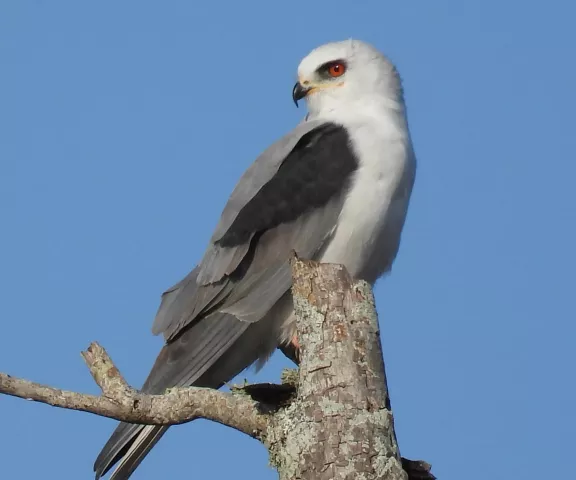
x,y
344,75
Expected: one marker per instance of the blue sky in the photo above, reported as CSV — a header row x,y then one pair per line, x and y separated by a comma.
x,y
125,125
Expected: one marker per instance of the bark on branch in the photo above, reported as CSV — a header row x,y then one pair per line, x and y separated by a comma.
x,y
121,402
340,427
331,421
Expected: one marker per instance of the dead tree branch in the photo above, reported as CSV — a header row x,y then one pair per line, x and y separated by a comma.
x,y
121,402
340,426
331,421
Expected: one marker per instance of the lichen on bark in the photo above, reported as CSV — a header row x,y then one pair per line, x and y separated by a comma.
x,y
340,425
329,420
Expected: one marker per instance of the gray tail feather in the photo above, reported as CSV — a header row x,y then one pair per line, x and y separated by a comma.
x,y
128,446
142,444
240,346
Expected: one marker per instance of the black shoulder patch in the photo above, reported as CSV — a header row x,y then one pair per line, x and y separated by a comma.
x,y
318,168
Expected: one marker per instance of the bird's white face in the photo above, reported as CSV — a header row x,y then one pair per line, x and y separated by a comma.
x,y
346,74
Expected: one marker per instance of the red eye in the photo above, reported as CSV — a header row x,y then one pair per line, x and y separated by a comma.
x,y
336,69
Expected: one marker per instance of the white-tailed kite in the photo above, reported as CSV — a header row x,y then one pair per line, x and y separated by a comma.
x,y
335,189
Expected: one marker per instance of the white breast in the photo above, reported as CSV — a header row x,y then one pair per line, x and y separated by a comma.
x,y
368,232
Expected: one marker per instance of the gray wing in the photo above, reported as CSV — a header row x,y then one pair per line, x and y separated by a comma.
x,y
220,318
289,199
219,262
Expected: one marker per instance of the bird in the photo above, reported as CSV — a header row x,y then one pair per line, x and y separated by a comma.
x,y
336,189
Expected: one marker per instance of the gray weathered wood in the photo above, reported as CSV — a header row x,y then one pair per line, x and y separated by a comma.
x,y
340,425
121,402
332,421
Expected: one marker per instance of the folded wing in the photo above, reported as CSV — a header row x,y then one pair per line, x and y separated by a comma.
x,y
218,319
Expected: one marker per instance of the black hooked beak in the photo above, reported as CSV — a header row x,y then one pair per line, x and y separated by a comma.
x,y
299,92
